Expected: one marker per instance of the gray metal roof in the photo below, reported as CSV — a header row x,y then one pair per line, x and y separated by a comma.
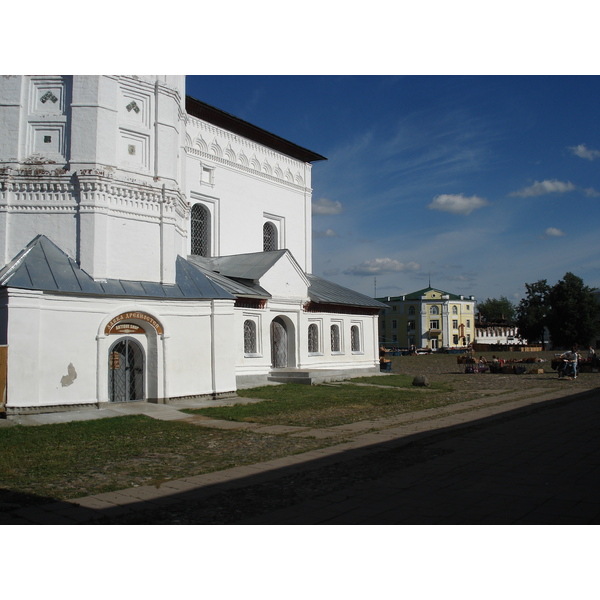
x,y
327,292
246,266
237,287
44,266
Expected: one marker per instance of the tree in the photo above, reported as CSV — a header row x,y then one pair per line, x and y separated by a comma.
x,y
573,315
495,310
532,311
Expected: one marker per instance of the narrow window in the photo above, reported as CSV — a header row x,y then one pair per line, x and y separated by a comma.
x,y
249,337
355,338
335,338
313,338
269,237
411,310
200,230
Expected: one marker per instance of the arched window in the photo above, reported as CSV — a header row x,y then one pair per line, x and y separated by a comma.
x,y
411,310
335,338
355,338
313,338
249,337
454,310
269,237
434,310
200,230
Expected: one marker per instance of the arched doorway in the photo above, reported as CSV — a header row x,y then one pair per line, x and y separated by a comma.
x,y
126,371
279,343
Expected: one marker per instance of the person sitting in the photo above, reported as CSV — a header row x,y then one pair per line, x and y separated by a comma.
x,y
385,364
482,365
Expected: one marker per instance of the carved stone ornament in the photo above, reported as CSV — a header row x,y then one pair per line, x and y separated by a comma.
x,y
48,96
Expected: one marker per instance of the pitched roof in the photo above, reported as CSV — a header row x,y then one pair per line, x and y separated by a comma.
x,y
248,269
327,292
44,266
236,286
220,118
246,266
419,293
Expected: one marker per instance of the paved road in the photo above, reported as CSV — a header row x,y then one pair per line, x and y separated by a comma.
x,y
526,462
537,468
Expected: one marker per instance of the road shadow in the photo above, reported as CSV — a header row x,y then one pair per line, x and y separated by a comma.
x,y
535,464
525,466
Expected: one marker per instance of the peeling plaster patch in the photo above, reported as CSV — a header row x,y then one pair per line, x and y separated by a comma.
x,y
71,376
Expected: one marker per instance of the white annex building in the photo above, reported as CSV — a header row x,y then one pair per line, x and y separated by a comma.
x,y
153,247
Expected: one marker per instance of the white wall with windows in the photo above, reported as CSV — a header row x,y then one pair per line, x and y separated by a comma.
x,y
254,186
117,174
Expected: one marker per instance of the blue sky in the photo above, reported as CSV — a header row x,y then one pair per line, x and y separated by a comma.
x,y
479,183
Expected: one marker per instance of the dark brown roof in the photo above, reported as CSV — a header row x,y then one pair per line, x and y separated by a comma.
x,y
222,119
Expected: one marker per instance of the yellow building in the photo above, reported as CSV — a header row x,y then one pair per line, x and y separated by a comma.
x,y
428,318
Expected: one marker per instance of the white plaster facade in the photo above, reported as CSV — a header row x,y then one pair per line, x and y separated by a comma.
x,y
500,334
108,170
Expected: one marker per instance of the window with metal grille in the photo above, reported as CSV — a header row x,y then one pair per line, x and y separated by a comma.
x,y
355,338
200,230
269,237
249,337
313,338
335,338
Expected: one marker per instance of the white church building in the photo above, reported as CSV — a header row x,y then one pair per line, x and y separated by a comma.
x,y
156,248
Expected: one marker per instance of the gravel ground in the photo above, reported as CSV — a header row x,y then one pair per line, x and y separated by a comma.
x,y
444,367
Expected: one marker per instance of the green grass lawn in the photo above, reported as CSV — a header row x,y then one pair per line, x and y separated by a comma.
x,y
67,460
329,405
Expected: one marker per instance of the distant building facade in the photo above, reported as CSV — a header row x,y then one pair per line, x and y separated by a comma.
x,y
494,335
429,318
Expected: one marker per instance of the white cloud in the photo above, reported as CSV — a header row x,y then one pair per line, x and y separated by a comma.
x,y
548,186
324,206
325,234
553,232
584,152
458,204
591,193
381,265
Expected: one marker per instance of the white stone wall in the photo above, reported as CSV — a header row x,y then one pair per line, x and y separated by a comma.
x,y
93,163
244,185
52,337
108,168
258,365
